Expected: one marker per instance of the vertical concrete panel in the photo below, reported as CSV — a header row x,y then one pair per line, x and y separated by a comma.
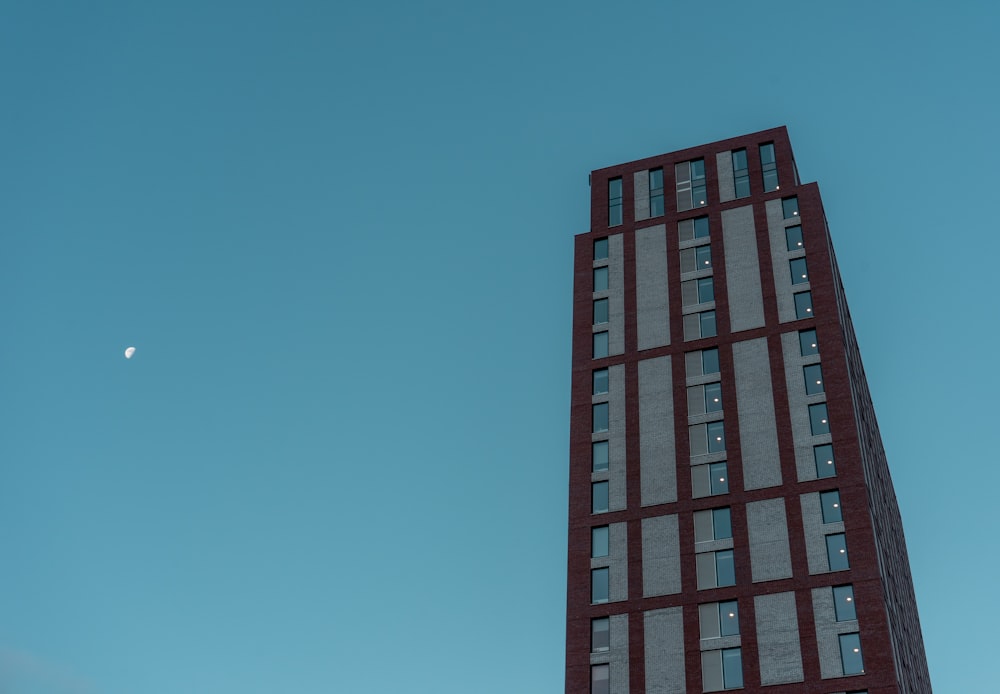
x,y
652,306
778,638
619,654
727,185
828,631
812,527
661,565
657,463
746,302
755,407
779,260
616,438
663,632
641,186
770,557
618,572
798,408
616,295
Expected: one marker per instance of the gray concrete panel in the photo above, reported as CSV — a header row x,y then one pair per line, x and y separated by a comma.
x,y
616,438
727,185
657,461
812,527
755,407
652,306
720,643
640,183
619,654
661,564
778,644
616,295
663,632
618,573
802,438
767,524
746,301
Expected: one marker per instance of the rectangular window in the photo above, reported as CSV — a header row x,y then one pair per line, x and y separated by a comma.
x,y
718,619
599,585
823,456
707,438
715,569
790,207
716,437
706,398
699,291
600,679
698,188
600,311
710,360
850,654
599,456
599,542
655,192
836,552
800,273
803,305
691,189
813,374
601,249
599,497
843,603
691,229
769,167
601,279
808,345
793,238
614,202
819,421
830,503
709,480
694,259
741,173
600,417
600,635
721,670
600,381
732,668
600,345
713,524
699,325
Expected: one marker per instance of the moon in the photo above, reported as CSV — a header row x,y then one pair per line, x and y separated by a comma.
x,y
129,352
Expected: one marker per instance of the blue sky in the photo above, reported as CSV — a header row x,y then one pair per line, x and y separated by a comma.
x,y
340,239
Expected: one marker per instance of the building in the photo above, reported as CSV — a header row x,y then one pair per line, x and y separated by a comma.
x,y
732,523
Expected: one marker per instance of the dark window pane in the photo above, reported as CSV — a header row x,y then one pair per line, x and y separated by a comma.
x,y
767,153
850,654
707,322
800,274
739,160
599,456
600,679
600,249
600,311
808,344
600,345
615,189
599,585
600,634
790,207
770,180
719,478
656,180
697,169
599,497
724,568
729,618
700,227
836,552
599,542
742,186
824,461
706,290
600,417
600,279
793,238
843,603
732,668
769,167
830,502
813,375
703,257
713,397
656,205
614,202
722,523
710,360
600,381
698,195
819,421
716,437
803,305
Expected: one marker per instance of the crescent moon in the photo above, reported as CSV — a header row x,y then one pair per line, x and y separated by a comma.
x,y
129,352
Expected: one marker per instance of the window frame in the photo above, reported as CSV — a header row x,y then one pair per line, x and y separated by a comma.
x,y
615,202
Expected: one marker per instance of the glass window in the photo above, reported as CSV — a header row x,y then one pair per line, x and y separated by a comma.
x,y
729,618
601,249
800,274
614,202
694,259
600,381
714,524
599,542
843,603
600,417
600,634
700,227
599,497
803,305
813,373
725,568
600,345
793,238
850,654
698,325
836,552
600,311
830,502
790,207
698,190
719,478
709,480
713,397
601,279
716,437
710,360
599,585
600,679
769,167
824,461
741,174
655,192
599,455
808,345
819,421
706,290
732,668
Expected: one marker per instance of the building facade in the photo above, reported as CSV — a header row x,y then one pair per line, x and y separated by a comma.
x,y
732,523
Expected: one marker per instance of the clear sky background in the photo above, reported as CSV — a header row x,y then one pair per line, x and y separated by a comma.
x,y
340,238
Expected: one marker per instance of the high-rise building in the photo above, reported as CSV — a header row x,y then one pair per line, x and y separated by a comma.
x,y
732,522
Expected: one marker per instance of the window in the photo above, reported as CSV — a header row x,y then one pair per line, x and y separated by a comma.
x,y
721,670
800,273
599,585
694,259
707,438
830,502
803,305
850,654
813,374
599,542
600,679
718,619
843,603
691,229
691,191
655,192
808,345
600,635
599,497
793,238
715,569
600,417
741,174
614,202
836,552
600,345
698,192
599,456
716,437
601,279
706,398
601,249
698,325
709,480
600,311
710,360
790,207
824,461
732,668
713,524
769,167
819,422
600,381
699,291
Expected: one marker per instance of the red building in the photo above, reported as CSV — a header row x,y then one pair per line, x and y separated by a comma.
x,y
732,523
